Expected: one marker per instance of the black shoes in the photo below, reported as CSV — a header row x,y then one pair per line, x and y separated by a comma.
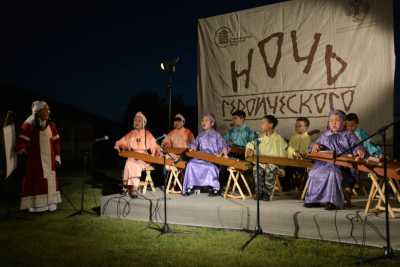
x,y
189,192
264,196
327,206
213,193
133,194
124,192
330,206
312,205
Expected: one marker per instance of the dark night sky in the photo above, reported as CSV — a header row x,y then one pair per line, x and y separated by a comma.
x,y
95,55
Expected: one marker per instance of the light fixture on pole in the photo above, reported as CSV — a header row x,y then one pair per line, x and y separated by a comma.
x,y
169,65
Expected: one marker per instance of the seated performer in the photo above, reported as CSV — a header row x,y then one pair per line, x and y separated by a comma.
x,y
139,140
300,141
203,173
327,179
271,144
40,143
352,123
240,134
298,146
180,137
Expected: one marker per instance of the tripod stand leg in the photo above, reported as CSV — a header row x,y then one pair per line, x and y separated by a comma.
x,y
68,199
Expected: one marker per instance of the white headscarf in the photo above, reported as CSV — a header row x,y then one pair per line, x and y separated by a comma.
x,y
180,116
37,106
140,114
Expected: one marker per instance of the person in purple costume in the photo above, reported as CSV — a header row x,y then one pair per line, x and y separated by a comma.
x,y
326,179
203,173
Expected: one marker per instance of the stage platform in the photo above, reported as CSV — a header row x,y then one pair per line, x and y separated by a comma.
x,y
285,217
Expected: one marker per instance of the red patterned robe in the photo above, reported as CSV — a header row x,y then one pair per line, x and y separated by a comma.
x,y
42,147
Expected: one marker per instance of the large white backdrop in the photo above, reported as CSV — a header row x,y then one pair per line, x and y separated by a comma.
x,y
299,58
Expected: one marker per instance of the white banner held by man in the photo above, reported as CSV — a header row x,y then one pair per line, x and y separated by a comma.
x,y
299,58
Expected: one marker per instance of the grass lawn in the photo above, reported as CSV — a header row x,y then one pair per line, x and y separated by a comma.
x,y
51,239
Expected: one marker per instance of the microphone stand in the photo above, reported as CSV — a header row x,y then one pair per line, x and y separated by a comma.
x,y
388,250
165,229
258,230
82,210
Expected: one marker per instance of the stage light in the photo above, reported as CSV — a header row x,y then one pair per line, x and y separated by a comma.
x,y
169,65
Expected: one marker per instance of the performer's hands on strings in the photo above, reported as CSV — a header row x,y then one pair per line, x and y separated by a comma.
x,y
360,154
156,152
298,155
248,152
222,154
315,148
120,149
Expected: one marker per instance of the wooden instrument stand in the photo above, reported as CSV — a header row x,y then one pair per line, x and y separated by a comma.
x,y
233,185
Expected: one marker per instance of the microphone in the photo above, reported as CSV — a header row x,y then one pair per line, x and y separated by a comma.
x,y
256,136
161,137
176,60
104,138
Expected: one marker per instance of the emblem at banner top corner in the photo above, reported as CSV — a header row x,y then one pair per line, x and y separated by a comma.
x,y
357,9
224,37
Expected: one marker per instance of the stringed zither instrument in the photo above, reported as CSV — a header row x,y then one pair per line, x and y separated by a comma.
x,y
179,151
229,162
369,166
175,150
152,159
282,161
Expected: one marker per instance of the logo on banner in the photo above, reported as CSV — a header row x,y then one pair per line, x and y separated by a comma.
x,y
224,37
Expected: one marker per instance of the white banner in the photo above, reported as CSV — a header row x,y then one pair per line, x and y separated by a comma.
x,y
299,58
9,146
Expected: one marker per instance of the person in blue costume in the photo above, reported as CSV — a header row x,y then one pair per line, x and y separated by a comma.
x,y
240,134
352,125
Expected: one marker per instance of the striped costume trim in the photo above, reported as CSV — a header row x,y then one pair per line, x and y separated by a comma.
x,y
26,138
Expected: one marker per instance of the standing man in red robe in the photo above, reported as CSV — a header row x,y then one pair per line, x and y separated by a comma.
x,y
40,143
